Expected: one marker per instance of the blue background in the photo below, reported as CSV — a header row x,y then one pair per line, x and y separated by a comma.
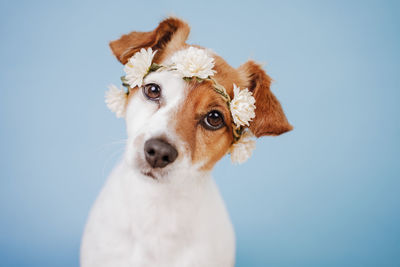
x,y
325,194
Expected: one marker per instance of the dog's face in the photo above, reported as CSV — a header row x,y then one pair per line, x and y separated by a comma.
x,y
173,124
176,127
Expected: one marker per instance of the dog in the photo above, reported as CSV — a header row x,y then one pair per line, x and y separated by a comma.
x,y
160,206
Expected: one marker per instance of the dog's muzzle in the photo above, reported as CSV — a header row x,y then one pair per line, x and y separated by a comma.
x,y
159,153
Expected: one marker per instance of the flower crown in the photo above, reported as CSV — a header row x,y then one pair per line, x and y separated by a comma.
x,y
191,63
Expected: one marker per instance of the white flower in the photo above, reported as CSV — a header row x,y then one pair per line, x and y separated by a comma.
x,y
116,100
242,149
242,106
138,66
193,62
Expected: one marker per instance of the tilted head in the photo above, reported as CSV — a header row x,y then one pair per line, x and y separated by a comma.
x,y
185,107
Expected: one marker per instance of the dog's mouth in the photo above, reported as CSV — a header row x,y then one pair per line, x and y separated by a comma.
x,y
146,170
149,174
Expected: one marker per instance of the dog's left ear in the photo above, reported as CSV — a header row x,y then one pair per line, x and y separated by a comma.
x,y
270,118
169,36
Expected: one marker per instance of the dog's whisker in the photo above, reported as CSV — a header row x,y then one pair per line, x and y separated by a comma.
x,y
110,158
111,144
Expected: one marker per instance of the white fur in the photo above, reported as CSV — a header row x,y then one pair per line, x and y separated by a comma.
x,y
178,219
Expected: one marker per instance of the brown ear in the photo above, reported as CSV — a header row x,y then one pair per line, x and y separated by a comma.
x,y
270,118
168,37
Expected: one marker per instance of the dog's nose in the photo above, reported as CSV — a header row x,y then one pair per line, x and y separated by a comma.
x,y
159,153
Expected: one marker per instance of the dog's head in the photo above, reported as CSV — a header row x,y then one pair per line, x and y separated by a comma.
x,y
179,126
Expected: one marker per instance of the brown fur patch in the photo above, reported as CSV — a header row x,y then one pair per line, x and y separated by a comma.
x,y
270,118
168,37
204,145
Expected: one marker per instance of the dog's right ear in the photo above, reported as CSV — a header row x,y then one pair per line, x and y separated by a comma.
x,y
270,118
169,36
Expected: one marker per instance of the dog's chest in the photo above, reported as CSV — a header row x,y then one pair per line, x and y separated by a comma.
x,y
162,226
166,216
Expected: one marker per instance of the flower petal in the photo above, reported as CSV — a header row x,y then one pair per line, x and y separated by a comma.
x,y
193,62
116,100
138,66
242,106
242,149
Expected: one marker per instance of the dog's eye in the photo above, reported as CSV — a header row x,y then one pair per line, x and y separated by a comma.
x,y
152,91
213,120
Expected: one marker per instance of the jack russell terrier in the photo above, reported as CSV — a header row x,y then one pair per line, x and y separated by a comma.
x,y
185,108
